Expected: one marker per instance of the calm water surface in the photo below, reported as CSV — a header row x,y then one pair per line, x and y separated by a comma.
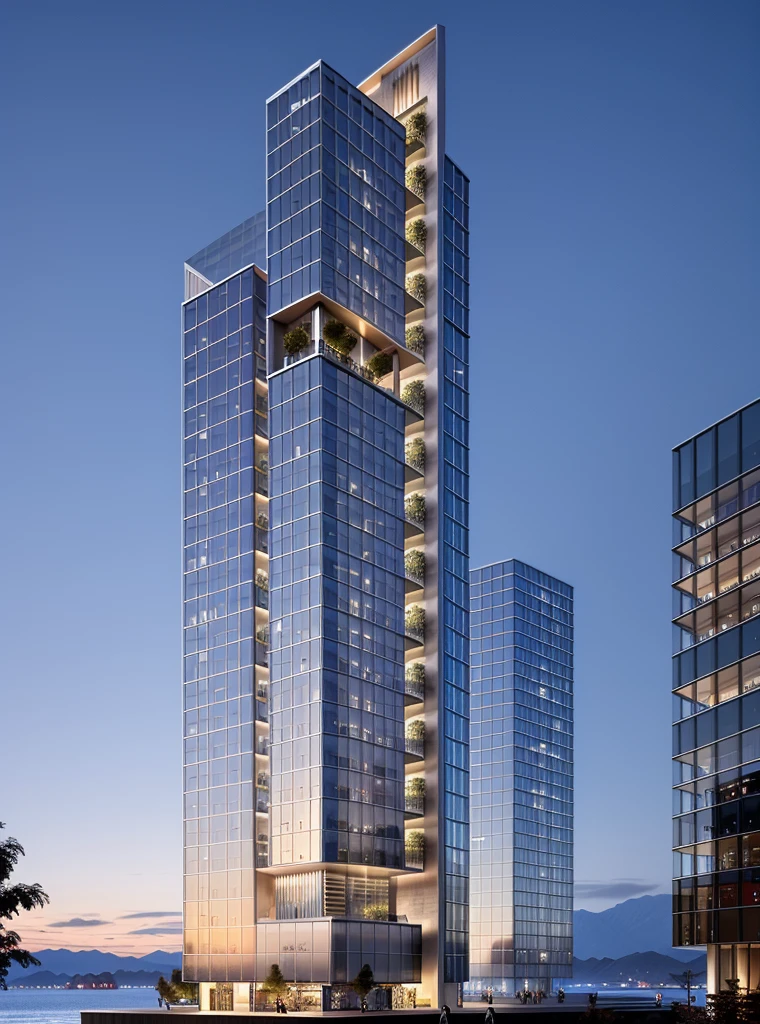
x,y
59,1006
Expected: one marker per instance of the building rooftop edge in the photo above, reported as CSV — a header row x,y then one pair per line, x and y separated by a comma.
x,y
520,561
372,81
714,424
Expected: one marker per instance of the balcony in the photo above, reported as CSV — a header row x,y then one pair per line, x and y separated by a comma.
x,y
262,598
414,806
414,689
262,803
414,749
261,541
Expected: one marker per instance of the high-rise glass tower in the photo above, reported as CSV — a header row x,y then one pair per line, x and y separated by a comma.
x,y
522,779
716,697
225,601
351,606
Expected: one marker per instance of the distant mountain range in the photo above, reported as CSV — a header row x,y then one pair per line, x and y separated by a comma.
x,y
636,926
632,939
92,961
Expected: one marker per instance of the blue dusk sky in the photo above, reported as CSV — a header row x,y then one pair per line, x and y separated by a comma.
x,y
614,158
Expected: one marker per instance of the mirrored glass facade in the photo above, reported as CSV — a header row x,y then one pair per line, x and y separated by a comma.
x,y
716,697
522,779
225,602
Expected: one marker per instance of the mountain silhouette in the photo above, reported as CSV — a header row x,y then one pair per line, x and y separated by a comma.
x,y
93,961
639,925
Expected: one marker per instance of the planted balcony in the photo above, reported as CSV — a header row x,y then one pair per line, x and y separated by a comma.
x,y
262,520
380,364
414,848
338,336
414,509
414,623
414,796
414,740
262,647
416,180
415,454
414,566
416,233
413,394
416,285
415,339
416,127
414,682
296,341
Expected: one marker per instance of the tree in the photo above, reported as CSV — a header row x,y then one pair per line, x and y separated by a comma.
x,y
14,899
364,982
275,982
176,989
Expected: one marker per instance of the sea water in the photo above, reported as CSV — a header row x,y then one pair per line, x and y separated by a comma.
x,y
63,1006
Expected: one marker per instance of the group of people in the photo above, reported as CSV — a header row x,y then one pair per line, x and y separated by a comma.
x,y
279,1005
526,996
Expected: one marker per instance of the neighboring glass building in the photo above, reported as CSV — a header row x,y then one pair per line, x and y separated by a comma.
x,y
225,597
716,697
367,235
521,931
326,567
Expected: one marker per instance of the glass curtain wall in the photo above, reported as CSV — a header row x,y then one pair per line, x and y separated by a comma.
x,y
224,594
522,779
716,697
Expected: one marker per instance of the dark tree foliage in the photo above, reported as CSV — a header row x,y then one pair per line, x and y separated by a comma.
x,y
364,981
14,899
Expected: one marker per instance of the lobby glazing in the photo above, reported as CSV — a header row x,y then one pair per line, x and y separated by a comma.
x,y
716,697
522,779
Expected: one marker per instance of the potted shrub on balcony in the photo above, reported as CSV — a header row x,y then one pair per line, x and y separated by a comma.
x,y
414,508
262,520
414,395
415,674
380,364
338,336
415,339
414,846
415,730
415,620
296,341
416,285
416,233
262,636
415,453
416,127
416,180
414,562
262,580
415,789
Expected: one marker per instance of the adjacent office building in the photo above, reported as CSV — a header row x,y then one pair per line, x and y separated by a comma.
x,y
716,697
522,779
326,557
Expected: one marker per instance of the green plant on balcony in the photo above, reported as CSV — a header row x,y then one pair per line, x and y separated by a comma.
x,y
415,453
415,730
415,620
415,339
415,788
296,341
262,520
416,285
416,180
262,463
415,673
380,364
262,580
338,336
262,636
414,563
416,127
414,395
416,233
414,844
414,508
375,912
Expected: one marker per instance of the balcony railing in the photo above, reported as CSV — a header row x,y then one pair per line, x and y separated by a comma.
x,y
414,805
414,746
414,689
